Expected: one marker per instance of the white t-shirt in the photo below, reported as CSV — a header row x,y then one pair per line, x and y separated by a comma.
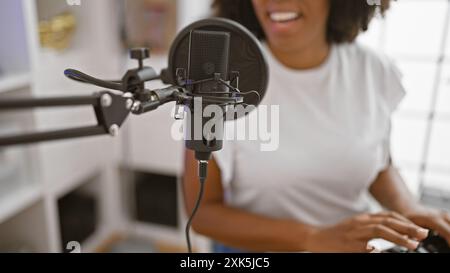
x,y
334,134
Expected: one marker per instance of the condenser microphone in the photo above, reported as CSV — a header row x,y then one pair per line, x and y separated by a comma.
x,y
221,62
209,53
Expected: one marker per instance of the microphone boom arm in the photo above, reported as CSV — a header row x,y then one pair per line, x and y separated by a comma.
x,y
111,111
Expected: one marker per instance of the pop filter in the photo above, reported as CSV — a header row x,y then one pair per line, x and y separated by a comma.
x,y
245,57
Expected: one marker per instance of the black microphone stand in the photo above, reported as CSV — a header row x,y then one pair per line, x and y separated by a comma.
x,y
111,108
111,111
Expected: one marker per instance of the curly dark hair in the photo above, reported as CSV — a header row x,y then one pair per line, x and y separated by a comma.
x,y
346,20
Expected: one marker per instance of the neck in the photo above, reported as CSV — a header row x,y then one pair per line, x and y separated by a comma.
x,y
305,58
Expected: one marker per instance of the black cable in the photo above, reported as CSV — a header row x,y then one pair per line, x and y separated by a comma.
x,y
252,92
194,212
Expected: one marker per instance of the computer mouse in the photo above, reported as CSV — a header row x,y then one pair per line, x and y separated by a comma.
x,y
435,244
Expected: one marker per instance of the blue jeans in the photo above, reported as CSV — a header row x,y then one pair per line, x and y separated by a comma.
x,y
219,248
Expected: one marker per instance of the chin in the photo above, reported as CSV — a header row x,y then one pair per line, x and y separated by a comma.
x,y
288,44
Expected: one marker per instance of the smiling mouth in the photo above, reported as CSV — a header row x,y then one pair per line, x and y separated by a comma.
x,y
284,16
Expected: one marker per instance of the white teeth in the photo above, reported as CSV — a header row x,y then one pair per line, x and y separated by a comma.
x,y
284,16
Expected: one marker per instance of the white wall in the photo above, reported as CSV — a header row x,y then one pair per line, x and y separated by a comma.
x,y
192,10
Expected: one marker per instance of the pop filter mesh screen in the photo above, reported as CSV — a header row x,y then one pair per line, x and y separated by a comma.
x,y
246,55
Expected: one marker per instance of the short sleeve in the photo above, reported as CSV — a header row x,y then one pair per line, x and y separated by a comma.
x,y
394,91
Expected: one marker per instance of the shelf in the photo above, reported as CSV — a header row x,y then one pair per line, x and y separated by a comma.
x,y
18,200
169,237
26,231
82,165
14,82
160,233
97,242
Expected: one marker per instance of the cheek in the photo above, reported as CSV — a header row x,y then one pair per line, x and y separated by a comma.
x,y
319,11
258,6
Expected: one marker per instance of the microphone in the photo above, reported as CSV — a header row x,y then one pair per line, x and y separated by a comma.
x,y
213,60
208,58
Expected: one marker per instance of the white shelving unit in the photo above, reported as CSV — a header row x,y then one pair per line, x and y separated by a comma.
x,y
27,231
14,82
56,168
18,200
29,216
150,146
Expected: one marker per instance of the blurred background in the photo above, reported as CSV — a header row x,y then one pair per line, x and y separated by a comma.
x,y
123,194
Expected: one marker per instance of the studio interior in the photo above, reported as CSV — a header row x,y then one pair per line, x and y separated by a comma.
x,y
125,191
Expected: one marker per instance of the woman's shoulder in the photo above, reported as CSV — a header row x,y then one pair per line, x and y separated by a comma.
x,y
361,54
376,69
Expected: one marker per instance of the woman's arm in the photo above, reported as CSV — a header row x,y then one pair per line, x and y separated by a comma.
x,y
240,229
234,227
391,191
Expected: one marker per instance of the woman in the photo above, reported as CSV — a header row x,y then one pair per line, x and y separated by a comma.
x,y
336,99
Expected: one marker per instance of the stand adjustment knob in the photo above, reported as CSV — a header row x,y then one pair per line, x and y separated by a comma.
x,y
140,54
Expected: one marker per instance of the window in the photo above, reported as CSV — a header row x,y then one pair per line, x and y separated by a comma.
x,y
415,34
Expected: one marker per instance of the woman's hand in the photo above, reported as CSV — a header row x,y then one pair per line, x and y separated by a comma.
x,y
436,220
352,235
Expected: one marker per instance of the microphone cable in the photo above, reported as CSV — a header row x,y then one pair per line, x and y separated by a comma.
x,y
194,212
203,169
